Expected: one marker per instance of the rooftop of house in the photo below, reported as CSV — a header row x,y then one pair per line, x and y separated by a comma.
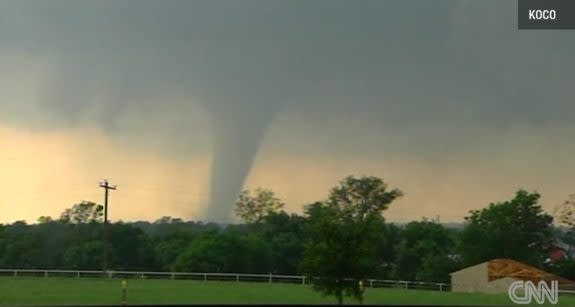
x,y
501,268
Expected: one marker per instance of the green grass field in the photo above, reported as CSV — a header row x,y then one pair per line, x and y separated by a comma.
x,y
72,291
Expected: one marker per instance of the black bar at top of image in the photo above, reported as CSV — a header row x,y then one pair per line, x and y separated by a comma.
x,y
546,14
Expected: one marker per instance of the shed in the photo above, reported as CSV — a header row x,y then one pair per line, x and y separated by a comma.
x,y
495,276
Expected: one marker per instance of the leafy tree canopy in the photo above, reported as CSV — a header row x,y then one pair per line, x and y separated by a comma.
x,y
518,229
84,212
342,230
254,207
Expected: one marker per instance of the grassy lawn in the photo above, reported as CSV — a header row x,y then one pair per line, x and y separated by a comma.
x,y
74,291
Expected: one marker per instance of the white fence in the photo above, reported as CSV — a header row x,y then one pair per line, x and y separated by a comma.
x,y
269,278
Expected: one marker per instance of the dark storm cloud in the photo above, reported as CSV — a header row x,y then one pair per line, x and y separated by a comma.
x,y
423,69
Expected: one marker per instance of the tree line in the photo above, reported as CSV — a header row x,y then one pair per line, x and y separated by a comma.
x,y
338,241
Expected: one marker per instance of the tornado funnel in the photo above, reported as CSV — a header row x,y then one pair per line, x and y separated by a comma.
x,y
236,143
240,119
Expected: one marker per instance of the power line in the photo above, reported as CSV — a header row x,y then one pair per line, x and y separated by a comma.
x,y
107,187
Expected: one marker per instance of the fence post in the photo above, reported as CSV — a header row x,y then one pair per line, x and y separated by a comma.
x,y
371,283
124,292
238,277
406,287
15,273
45,274
205,277
270,279
303,280
440,287
78,274
172,276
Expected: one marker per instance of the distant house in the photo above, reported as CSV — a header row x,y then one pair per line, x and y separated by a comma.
x,y
556,254
559,251
495,276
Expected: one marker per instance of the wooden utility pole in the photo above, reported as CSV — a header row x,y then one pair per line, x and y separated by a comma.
x,y
107,187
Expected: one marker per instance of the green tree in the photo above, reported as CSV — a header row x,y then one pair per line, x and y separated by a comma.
x,y
423,253
224,253
168,220
21,247
342,232
169,247
45,219
564,268
285,234
84,256
53,239
130,248
84,212
387,247
518,229
252,208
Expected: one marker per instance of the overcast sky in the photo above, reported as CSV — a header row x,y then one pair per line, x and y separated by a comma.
x,y
184,102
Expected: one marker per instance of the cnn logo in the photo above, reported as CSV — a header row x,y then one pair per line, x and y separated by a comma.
x,y
530,292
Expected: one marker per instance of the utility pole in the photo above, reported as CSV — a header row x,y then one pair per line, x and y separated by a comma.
x,y
107,187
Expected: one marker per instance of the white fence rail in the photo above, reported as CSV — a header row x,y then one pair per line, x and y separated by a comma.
x,y
269,278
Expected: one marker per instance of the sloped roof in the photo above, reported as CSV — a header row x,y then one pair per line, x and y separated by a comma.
x,y
501,268
561,244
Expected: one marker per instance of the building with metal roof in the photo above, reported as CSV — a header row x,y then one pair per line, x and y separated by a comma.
x,y
495,276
